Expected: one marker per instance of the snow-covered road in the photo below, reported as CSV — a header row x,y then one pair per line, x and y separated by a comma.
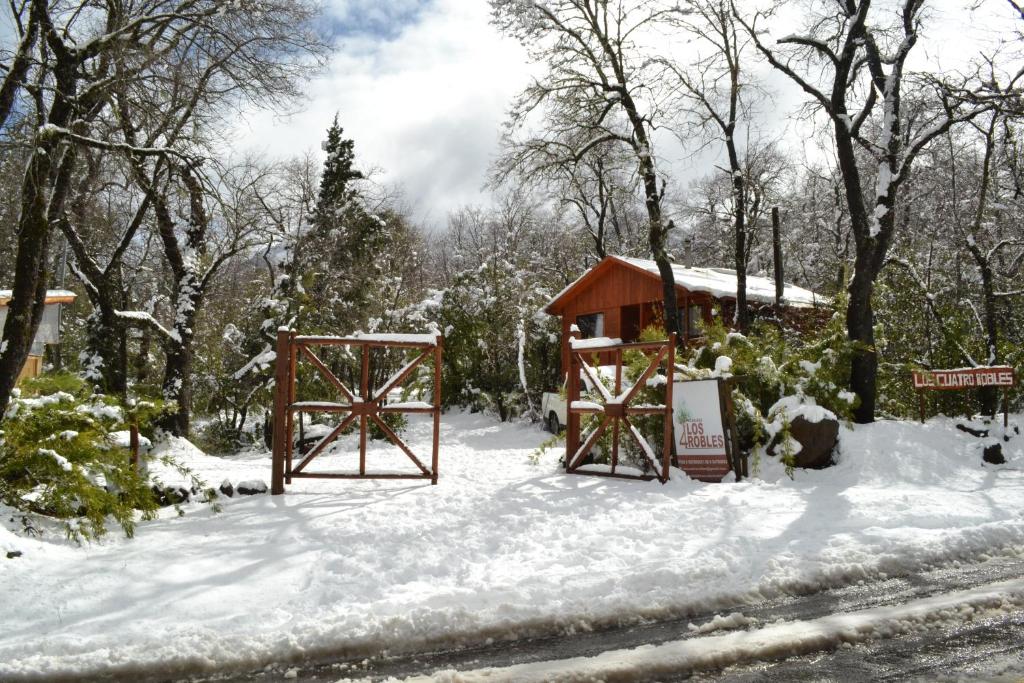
x,y
678,658
503,547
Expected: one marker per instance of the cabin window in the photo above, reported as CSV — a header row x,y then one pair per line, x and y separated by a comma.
x,y
591,325
694,318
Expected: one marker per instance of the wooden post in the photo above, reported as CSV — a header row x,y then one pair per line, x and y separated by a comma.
x,y
1006,409
364,393
293,357
572,428
670,374
437,404
615,420
739,463
281,366
921,404
133,446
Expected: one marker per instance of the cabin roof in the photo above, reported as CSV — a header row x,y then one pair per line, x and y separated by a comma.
x,y
53,296
717,282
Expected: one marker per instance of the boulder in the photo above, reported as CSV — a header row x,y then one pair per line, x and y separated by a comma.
x,y
817,441
226,488
993,454
251,487
171,495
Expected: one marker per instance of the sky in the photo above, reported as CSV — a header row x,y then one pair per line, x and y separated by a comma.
x,y
422,87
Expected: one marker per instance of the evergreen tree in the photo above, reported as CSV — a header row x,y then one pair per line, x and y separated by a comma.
x,y
346,246
336,189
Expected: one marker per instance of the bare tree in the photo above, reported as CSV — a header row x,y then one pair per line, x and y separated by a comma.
x,y
719,97
600,88
852,65
84,56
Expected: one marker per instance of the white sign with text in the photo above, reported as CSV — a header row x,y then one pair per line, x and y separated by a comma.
x,y
699,429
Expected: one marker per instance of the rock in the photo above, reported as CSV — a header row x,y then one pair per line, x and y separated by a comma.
x,y
11,554
226,488
980,433
171,495
993,454
251,487
816,439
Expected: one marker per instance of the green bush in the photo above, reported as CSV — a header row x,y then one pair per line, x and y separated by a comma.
x,y
773,372
60,457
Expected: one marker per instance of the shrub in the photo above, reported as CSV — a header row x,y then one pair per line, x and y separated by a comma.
x,y
61,456
776,375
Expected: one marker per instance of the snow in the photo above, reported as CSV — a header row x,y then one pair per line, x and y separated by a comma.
x,y
775,641
506,545
123,439
721,283
410,405
793,407
61,460
594,343
7,294
430,338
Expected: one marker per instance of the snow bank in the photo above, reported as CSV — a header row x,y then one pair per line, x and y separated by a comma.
x,y
504,546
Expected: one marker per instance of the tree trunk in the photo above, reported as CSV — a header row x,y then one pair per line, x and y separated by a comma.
x,y
860,328
177,387
28,300
860,318
142,359
106,344
657,238
742,316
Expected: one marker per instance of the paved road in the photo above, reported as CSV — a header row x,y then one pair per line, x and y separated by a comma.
x,y
988,649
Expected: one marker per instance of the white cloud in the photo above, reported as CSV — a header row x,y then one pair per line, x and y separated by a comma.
x,y
424,105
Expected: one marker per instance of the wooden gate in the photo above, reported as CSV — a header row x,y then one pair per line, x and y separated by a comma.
x,y
363,407
614,407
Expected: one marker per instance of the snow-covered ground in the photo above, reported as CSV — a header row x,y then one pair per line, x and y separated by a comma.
x,y
505,545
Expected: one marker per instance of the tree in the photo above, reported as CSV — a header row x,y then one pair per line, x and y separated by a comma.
x,y
342,257
93,69
600,88
852,65
719,96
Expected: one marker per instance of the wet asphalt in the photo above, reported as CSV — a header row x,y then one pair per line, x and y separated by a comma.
x,y
986,649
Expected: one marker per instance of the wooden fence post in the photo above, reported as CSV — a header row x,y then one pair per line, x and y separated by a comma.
x,y
1006,409
282,368
438,350
572,394
669,425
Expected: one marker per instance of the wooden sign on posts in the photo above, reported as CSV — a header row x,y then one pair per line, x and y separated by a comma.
x,y
999,376
705,430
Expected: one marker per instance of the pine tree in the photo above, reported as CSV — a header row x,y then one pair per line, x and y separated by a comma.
x,y
346,246
336,190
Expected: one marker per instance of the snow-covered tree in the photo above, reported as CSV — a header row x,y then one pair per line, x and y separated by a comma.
x,y
851,60
601,87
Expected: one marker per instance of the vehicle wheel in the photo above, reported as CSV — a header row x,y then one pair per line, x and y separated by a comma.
x,y
553,426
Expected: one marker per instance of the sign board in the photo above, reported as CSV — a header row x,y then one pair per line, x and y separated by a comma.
x,y
701,429
964,378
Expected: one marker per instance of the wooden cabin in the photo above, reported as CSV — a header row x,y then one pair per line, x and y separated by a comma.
x,y
49,327
620,296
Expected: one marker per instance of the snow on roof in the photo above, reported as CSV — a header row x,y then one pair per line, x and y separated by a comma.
x,y
58,296
721,283
718,282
